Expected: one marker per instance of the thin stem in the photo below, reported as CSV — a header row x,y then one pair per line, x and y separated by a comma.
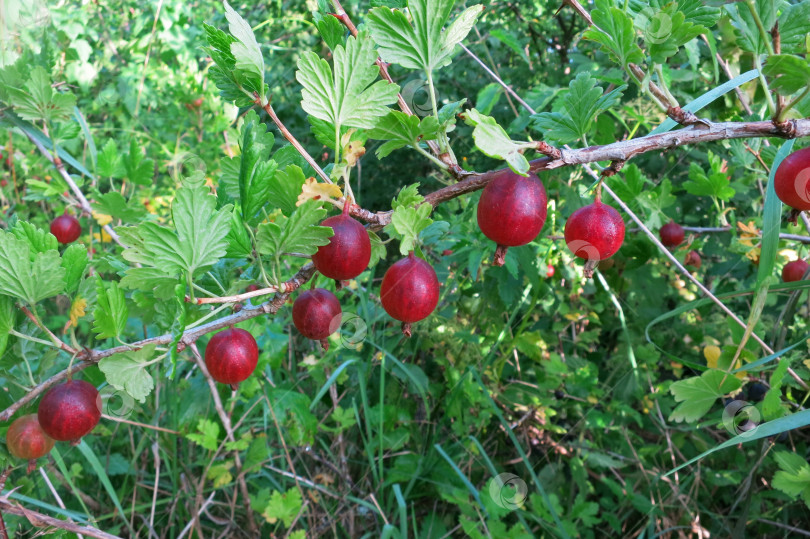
x,y
432,158
766,37
433,104
268,108
765,87
792,104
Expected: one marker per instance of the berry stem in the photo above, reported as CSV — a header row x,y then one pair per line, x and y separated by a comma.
x,y
500,255
406,329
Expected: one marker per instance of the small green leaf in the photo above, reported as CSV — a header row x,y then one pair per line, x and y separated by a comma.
x,y
126,371
716,184
697,394
39,101
115,205
7,310
407,196
26,274
285,188
349,96
788,74
330,28
75,261
421,44
207,434
300,233
794,26
613,30
407,223
492,140
256,169
239,245
111,311
284,507
109,161
401,130
137,169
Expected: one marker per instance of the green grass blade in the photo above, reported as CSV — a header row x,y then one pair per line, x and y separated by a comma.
x,y
88,136
329,382
403,512
771,428
105,480
708,97
470,487
771,222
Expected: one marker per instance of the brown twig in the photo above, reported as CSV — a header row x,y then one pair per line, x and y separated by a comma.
x,y
268,108
56,340
238,297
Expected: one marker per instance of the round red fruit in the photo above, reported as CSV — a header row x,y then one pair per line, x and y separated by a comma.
x,y
348,252
231,356
409,291
66,228
70,410
317,314
794,271
671,234
594,232
26,439
512,211
792,180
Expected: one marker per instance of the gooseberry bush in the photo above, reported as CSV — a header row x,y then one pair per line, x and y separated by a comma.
x,y
404,268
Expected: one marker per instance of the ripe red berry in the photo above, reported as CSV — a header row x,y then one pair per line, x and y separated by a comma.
x,y
594,232
231,356
348,252
3,182
792,180
197,102
66,228
692,259
252,288
794,271
671,234
26,440
409,291
317,314
549,271
70,410
512,211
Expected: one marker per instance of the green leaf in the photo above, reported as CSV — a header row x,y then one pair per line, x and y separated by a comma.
x,y
7,311
378,250
115,205
39,240
715,184
788,74
421,45
137,169
300,233
583,101
285,188
198,242
150,280
407,223
794,25
488,97
795,482
401,130
207,434
74,261
239,245
26,275
126,371
697,394
109,161
613,30
257,169
39,101
771,221
347,97
407,196
284,507
749,37
510,40
492,140
666,30
772,403
246,52
330,28
111,311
